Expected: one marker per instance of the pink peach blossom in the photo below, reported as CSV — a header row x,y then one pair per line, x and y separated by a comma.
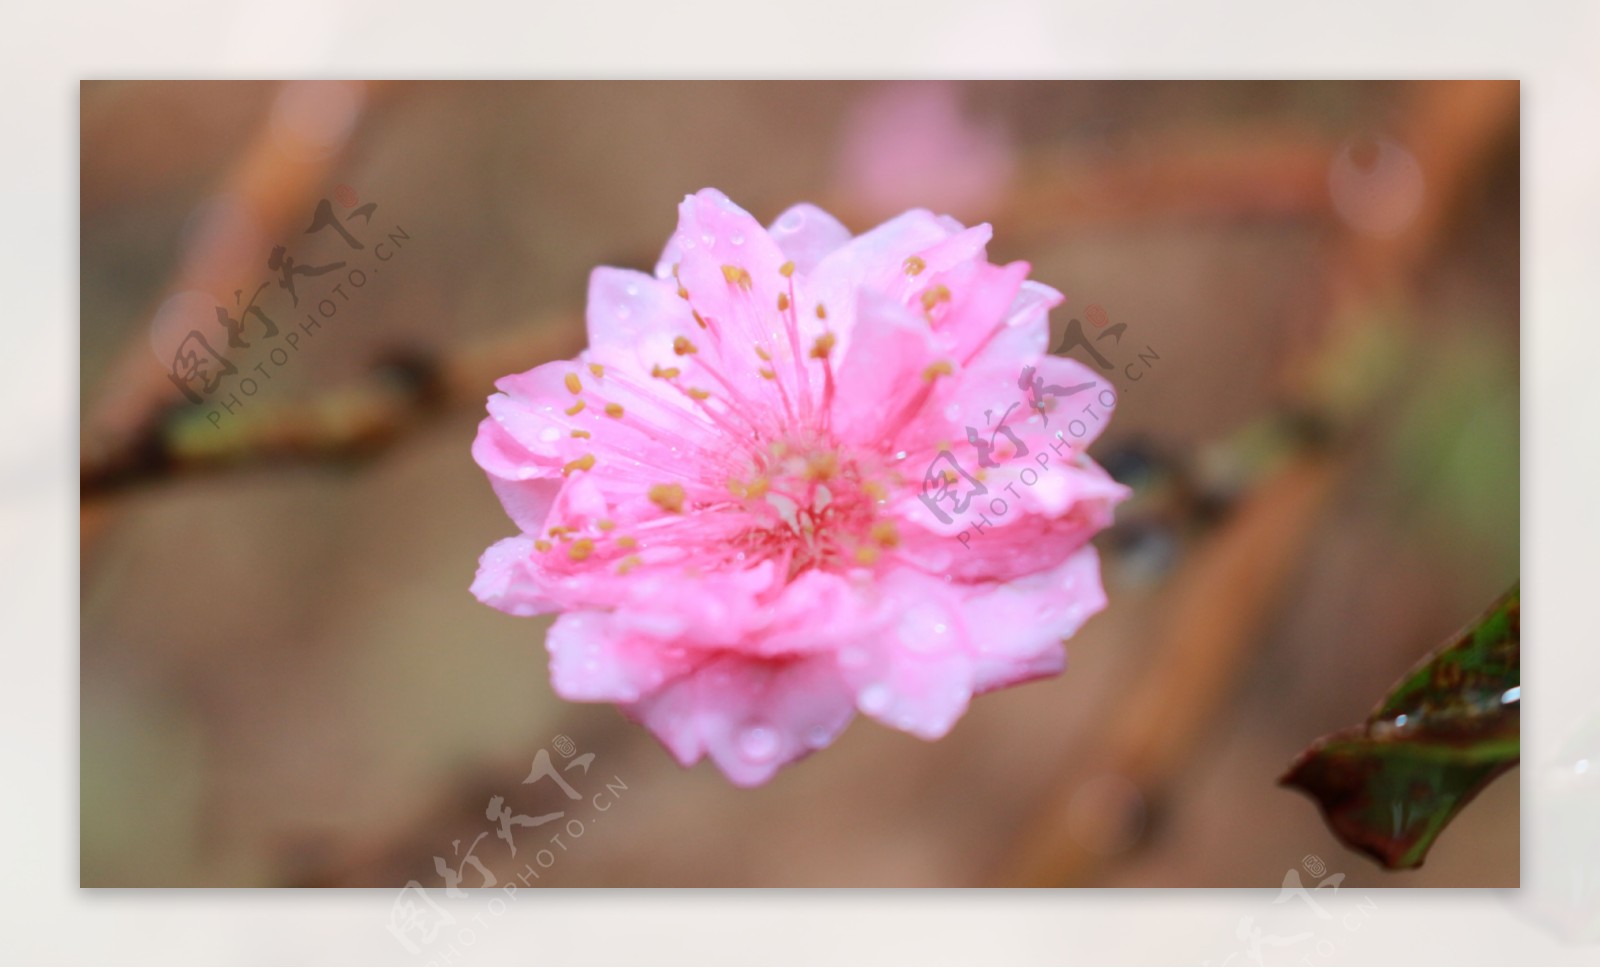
x,y
790,479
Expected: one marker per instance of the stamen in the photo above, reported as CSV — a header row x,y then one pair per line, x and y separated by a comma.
x,y
580,433
783,302
628,564
682,346
822,347
669,373
936,370
543,545
915,265
822,311
575,409
581,549
787,269
614,411
598,370
737,276
581,464
574,384
668,497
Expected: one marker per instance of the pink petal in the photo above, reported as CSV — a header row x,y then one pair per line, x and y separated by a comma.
x,y
806,234
751,716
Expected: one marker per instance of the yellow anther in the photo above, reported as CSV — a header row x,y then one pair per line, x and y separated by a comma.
x,y
597,370
697,318
822,311
573,383
867,555
886,534
783,301
767,374
761,351
682,346
605,524
915,265
737,276
822,347
820,467
581,464
787,269
628,564
614,411
936,370
580,433
683,293
934,296
581,549
667,497
542,545
875,490
575,408
627,541
698,393
664,374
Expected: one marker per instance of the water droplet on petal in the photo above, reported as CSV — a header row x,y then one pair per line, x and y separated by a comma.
x,y
736,239
758,744
818,736
875,698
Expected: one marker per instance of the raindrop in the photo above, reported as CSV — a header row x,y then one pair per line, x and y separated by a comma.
x,y
758,743
875,698
817,737
736,239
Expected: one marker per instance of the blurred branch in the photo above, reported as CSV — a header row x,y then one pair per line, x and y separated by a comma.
x,y
141,435
1216,607
1223,594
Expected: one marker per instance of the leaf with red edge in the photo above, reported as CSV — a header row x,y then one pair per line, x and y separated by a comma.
x,y
1389,786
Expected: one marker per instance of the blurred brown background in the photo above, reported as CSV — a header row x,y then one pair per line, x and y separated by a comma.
x,y
285,681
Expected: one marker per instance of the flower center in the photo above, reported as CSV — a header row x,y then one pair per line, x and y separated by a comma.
x,y
813,507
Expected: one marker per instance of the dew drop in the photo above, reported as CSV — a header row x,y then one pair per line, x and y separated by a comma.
x,y
736,239
758,743
875,698
817,737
